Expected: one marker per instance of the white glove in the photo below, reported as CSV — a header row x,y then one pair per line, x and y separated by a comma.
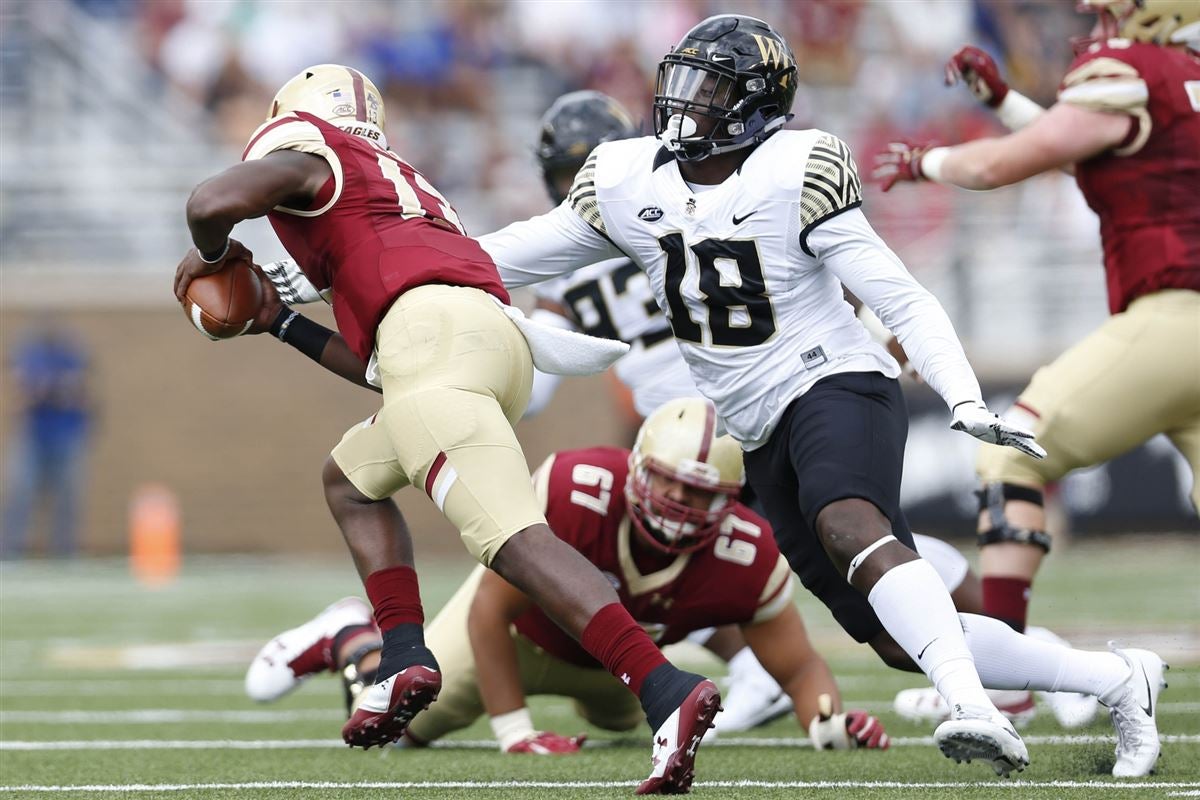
x,y
974,418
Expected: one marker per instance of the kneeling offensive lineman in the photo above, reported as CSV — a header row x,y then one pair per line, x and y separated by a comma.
x,y
663,525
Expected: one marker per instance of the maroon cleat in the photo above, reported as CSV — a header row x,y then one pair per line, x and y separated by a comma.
x,y
386,708
678,739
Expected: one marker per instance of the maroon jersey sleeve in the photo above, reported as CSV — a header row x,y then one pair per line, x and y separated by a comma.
x,y
1146,190
378,229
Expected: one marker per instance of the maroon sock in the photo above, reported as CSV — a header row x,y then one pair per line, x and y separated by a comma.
x,y
395,596
620,644
1007,599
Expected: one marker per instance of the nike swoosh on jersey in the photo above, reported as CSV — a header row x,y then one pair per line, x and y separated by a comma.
x,y
739,220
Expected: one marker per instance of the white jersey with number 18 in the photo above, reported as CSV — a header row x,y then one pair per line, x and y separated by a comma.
x,y
749,272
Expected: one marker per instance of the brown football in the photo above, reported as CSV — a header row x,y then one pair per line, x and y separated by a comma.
x,y
223,305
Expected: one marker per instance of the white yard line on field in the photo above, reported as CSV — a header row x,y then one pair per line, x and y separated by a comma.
x,y
263,716
488,744
746,784
152,716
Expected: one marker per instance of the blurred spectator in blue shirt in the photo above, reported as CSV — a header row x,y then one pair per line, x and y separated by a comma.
x,y
48,379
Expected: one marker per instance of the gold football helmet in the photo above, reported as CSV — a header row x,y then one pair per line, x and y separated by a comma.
x,y
1150,21
678,442
341,96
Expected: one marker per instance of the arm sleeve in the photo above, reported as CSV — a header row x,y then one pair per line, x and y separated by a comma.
x,y
293,285
547,246
848,246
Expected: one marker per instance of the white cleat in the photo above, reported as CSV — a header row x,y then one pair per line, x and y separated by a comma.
x,y
1131,707
984,734
754,698
926,705
294,655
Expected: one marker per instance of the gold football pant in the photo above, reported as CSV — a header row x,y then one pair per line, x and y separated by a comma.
x,y
456,376
1136,376
599,697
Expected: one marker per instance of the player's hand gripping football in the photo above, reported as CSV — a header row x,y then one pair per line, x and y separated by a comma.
x,y
271,303
845,731
546,743
900,162
193,266
974,418
979,72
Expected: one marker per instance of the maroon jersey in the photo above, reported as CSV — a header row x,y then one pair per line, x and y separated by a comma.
x,y
740,578
376,229
1147,190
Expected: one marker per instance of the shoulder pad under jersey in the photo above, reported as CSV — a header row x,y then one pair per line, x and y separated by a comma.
x,y
608,166
290,132
1105,79
831,184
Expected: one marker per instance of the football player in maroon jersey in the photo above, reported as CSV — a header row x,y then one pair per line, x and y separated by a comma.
x,y
663,525
423,304
1127,124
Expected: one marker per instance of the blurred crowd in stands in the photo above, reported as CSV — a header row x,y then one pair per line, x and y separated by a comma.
x,y
456,73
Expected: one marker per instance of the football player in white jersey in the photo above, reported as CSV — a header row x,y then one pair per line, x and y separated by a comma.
x,y
746,233
613,299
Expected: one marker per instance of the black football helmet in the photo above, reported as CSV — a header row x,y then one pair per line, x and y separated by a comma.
x,y
734,70
573,127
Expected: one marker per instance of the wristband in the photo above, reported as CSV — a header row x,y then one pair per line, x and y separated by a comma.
x,y
305,335
931,164
513,727
221,255
1016,111
281,321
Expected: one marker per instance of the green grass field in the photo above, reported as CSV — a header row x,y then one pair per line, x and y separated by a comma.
x,y
111,690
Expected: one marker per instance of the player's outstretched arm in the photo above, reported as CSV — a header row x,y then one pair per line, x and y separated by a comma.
x,y
782,646
1063,136
849,248
544,247
496,605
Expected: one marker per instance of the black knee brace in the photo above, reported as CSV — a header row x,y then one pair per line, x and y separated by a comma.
x,y
992,498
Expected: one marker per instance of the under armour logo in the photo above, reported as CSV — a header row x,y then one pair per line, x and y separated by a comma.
x,y
625,678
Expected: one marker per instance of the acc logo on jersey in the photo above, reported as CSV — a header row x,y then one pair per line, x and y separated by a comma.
x,y
650,214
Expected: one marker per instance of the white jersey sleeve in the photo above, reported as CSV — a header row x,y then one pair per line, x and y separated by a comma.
x,y
547,246
849,248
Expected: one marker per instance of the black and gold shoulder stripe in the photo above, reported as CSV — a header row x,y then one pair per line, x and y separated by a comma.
x,y
831,182
582,196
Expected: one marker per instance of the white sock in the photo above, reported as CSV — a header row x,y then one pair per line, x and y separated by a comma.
x,y
1006,659
915,608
